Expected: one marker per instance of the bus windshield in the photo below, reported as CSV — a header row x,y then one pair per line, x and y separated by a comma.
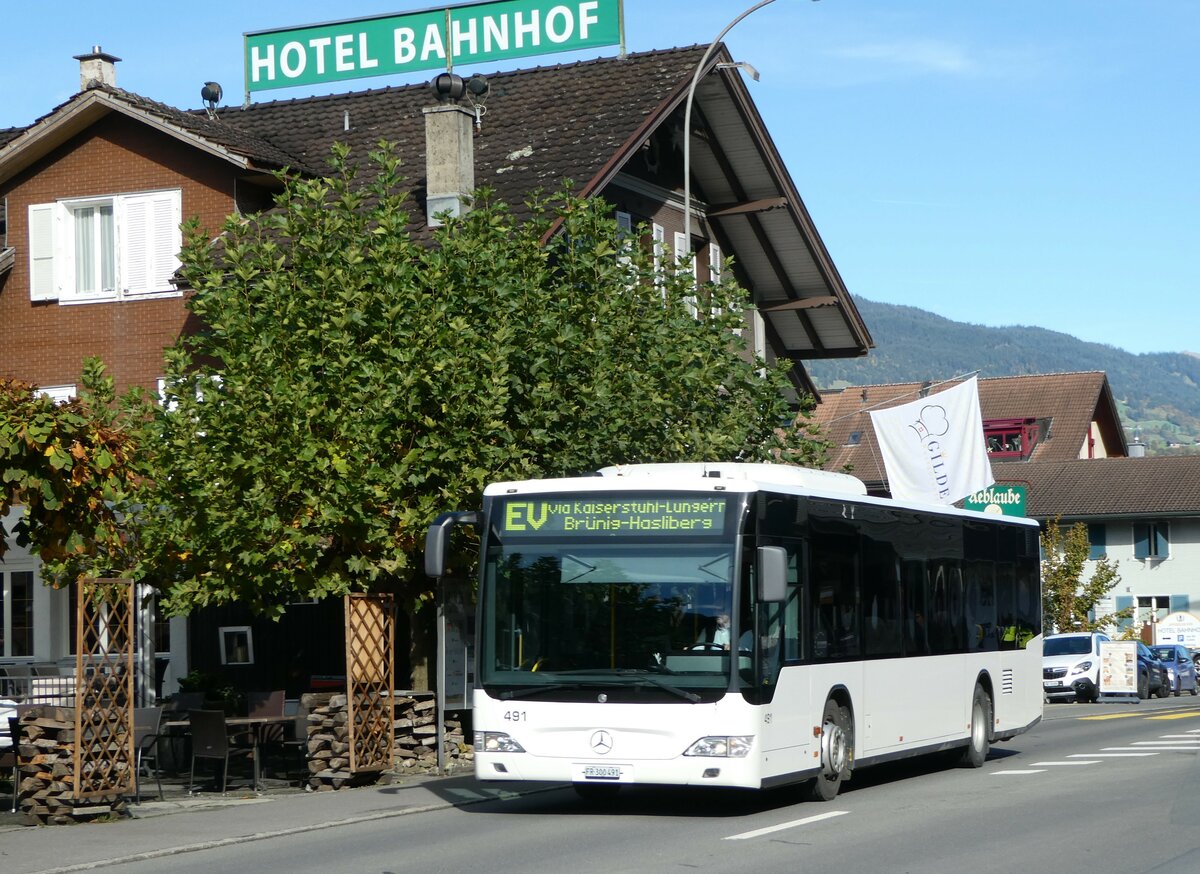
x,y
643,616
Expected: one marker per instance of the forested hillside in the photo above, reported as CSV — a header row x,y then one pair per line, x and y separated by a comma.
x,y
1158,394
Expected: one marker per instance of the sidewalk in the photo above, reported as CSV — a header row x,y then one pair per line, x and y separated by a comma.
x,y
159,829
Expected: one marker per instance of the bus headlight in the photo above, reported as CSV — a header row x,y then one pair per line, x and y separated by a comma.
x,y
736,746
496,742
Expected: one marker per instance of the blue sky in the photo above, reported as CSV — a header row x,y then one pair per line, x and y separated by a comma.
x,y
992,161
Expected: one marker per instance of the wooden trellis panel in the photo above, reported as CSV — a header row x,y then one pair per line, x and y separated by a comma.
x,y
104,752
370,680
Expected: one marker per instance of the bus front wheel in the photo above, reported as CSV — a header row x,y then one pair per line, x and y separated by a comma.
x,y
981,721
837,741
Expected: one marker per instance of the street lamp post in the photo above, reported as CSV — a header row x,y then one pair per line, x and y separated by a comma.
x,y
687,122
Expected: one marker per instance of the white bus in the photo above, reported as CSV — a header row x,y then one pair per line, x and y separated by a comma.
x,y
741,625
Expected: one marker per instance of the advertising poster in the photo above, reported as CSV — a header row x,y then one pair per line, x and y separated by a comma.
x,y
1118,667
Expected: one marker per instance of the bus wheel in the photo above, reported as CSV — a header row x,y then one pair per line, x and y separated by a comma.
x,y
981,720
836,742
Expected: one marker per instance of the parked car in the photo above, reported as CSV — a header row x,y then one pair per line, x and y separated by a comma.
x,y
1180,667
1071,665
1158,680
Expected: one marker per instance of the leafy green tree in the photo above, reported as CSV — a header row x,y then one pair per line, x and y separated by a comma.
x,y
70,466
354,380
1067,597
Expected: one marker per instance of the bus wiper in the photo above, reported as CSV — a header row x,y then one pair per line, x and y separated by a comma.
x,y
532,691
666,687
588,568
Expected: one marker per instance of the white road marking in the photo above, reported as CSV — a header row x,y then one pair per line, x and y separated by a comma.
x,y
1037,771
778,828
1158,749
1190,745
1109,755
1085,762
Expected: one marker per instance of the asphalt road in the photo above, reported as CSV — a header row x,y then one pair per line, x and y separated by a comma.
x,y
1094,788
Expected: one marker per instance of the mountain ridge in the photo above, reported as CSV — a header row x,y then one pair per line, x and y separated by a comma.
x,y
1157,393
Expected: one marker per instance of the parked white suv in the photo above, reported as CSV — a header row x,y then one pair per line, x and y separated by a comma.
x,y
1071,665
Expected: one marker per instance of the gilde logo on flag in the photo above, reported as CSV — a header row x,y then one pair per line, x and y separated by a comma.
x,y
933,448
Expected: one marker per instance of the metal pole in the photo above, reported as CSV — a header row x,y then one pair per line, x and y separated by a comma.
x,y
687,123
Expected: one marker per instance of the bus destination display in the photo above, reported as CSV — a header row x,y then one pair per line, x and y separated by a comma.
x,y
599,516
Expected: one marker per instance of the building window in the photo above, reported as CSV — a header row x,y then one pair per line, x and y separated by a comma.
x,y
1097,547
95,251
1010,438
1151,540
237,645
105,248
16,614
60,394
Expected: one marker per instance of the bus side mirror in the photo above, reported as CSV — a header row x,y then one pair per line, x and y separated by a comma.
x,y
437,540
772,574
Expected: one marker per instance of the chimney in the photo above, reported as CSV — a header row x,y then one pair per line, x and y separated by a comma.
x,y
449,150
97,68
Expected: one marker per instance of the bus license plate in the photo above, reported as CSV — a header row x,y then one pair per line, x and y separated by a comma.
x,y
607,773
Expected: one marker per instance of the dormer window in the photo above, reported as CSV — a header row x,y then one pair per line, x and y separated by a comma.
x,y
1010,438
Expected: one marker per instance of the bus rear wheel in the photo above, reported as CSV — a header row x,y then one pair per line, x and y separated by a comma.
x,y
977,748
837,744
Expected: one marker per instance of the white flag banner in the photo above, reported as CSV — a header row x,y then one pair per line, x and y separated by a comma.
x,y
933,448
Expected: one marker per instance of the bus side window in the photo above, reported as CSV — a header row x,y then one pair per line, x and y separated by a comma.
x,y
916,637
792,616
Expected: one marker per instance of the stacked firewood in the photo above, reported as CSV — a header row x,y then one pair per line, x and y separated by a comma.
x,y
415,726
45,771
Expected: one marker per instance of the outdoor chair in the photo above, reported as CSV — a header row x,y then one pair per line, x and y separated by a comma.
x,y
211,741
266,704
295,739
14,731
183,702
8,757
146,722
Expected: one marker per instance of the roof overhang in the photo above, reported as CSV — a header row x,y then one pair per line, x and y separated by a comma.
x,y
753,208
81,112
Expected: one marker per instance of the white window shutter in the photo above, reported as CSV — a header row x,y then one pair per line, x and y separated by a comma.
x,y
135,244
44,267
659,238
714,262
150,241
682,251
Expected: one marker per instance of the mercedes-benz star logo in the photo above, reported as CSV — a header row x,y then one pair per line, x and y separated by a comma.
x,y
602,742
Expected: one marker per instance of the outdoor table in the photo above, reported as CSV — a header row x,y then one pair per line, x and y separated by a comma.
x,y
255,726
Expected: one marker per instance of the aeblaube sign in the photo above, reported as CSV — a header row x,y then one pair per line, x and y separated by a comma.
x,y
431,39
1006,500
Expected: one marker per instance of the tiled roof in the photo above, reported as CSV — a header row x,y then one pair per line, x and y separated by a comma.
x,y
66,119
540,125
1090,488
9,133
236,138
1070,401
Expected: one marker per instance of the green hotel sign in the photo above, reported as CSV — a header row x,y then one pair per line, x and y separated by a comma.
x,y
1007,500
427,40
